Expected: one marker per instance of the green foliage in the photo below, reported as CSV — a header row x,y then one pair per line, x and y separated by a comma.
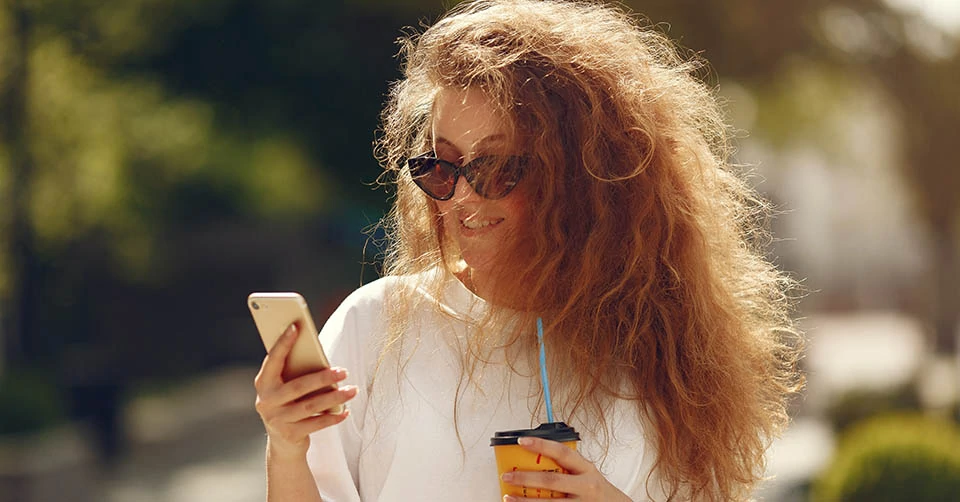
x,y
857,405
92,135
894,458
29,402
124,158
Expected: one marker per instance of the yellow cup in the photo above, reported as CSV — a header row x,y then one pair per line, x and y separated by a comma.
x,y
513,457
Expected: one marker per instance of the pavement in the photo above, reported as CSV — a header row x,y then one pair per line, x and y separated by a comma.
x,y
200,442
204,442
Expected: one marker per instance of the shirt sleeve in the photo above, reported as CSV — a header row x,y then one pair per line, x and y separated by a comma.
x,y
346,337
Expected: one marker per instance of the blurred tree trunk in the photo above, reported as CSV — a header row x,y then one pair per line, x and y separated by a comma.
x,y
14,128
925,86
946,309
931,170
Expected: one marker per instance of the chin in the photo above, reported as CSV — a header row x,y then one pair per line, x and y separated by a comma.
x,y
477,263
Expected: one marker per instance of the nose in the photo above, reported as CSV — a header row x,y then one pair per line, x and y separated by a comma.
x,y
462,191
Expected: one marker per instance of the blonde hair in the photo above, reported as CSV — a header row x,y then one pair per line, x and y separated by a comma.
x,y
645,250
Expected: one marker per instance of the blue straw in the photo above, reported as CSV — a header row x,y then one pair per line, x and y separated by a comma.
x,y
543,371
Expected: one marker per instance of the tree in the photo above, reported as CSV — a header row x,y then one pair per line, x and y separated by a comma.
x,y
98,168
918,64
854,44
20,255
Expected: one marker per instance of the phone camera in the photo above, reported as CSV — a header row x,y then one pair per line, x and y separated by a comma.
x,y
256,306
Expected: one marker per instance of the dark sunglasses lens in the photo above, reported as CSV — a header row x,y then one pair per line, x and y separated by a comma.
x,y
432,177
494,177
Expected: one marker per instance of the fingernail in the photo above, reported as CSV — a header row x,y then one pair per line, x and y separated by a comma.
x,y
350,390
507,477
509,498
525,441
291,330
339,373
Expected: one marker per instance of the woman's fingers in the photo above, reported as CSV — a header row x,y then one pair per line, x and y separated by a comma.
x,y
272,367
281,413
309,425
582,481
570,482
292,410
312,382
317,405
293,439
304,396
562,482
536,481
564,456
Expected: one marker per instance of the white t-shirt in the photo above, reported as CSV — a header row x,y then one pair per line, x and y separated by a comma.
x,y
400,443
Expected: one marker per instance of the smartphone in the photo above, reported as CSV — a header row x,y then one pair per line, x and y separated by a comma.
x,y
273,313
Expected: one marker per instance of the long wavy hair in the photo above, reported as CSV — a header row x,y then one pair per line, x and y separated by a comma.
x,y
645,250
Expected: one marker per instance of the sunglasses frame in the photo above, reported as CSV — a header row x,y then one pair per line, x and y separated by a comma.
x,y
468,171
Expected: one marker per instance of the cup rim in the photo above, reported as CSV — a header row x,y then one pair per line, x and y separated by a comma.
x,y
554,431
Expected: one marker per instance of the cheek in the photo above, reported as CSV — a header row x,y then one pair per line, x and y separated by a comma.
x,y
446,212
517,202
515,209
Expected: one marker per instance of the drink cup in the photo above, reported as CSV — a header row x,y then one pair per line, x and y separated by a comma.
x,y
513,457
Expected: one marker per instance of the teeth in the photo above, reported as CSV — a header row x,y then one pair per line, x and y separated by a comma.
x,y
473,225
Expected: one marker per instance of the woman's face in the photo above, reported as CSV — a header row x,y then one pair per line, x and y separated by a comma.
x,y
465,127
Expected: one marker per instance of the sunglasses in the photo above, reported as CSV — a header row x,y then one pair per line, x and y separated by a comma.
x,y
492,177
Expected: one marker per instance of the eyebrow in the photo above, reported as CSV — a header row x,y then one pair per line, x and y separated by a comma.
x,y
493,138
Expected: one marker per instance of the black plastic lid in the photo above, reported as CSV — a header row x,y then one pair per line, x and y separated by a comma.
x,y
555,431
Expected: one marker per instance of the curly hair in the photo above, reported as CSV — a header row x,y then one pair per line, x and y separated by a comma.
x,y
645,255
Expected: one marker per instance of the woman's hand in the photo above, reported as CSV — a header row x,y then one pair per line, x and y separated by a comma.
x,y
582,482
288,419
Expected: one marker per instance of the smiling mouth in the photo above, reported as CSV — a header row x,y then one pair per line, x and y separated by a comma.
x,y
479,224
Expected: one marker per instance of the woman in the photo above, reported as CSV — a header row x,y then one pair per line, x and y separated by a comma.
x,y
551,160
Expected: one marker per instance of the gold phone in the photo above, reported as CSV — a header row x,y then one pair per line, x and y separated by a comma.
x,y
273,313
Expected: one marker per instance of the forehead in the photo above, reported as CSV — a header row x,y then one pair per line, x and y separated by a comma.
x,y
467,120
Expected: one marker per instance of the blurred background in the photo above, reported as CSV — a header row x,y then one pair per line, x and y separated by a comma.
x,y
161,159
